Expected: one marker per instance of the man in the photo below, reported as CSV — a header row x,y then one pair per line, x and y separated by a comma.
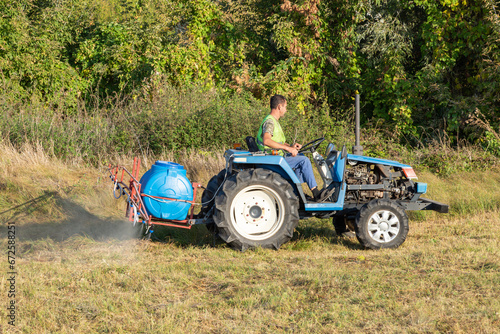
x,y
271,136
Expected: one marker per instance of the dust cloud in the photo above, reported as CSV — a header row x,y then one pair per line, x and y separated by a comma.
x,y
77,221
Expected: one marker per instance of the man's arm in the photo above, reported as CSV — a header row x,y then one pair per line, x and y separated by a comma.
x,y
268,141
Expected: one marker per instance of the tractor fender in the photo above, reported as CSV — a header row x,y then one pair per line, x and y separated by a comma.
x,y
276,163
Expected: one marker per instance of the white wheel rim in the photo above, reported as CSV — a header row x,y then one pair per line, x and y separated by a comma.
x,y
257,212
383,226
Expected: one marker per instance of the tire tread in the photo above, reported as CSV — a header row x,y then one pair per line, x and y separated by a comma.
x,y
365,213
237,182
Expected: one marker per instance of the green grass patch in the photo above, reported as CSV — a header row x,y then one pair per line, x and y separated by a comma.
x,y
80,268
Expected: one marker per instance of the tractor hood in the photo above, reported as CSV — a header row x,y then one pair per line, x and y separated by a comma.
x,y
362,158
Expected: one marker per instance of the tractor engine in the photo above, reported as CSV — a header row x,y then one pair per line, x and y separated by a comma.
x,y
391,182
361,174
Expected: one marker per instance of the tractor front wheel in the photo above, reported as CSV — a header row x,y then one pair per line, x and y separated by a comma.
x,y
256,208
381,224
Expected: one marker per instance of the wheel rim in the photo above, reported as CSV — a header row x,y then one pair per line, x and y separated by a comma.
x,y
383,226
257,212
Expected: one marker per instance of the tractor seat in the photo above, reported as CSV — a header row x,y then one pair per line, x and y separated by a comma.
x,y
251,144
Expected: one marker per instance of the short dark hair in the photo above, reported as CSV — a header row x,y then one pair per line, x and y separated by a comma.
x,y
276,100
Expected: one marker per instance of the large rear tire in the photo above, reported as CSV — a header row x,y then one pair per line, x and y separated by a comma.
x,y
381,224
256,208
208,197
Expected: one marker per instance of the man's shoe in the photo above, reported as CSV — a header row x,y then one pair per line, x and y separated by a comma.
x,y
324,194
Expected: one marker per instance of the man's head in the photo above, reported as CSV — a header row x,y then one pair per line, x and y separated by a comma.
x,y
278,105
276,100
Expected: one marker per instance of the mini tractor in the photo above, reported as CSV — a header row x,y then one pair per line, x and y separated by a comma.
x,y
257,200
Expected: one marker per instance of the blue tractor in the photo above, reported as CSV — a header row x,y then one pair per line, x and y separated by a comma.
x,y
257,200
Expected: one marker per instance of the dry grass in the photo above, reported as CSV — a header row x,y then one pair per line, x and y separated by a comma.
x,y
79,270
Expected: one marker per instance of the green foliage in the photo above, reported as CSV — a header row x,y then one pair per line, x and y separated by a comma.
x,y
199,122
418,65
386,42
458,39
491,143
175,120
178,119
324,55
33,37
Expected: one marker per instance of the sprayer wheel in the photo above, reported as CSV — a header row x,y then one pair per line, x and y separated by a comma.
x,y
256,208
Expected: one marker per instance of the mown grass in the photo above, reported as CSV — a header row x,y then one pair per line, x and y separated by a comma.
x,y
438,281
79,269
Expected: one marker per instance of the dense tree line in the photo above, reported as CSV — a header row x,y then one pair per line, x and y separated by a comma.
x,y
419,65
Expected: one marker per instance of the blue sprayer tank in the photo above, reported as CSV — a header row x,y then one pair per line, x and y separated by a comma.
x,y
167,179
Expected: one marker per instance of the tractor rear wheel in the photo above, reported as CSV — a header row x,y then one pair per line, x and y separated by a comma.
x,y
381,224
208,197
256,208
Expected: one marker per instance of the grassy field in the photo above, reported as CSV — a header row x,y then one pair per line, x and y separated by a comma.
x,y
80,270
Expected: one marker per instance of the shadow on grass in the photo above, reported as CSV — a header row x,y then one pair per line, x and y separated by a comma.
x,y
310,231
307,233
79,221
197,236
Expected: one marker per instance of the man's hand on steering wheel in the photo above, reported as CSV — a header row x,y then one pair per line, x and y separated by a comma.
x,y
292,150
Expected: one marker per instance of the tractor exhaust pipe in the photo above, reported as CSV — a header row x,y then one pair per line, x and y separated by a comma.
x,y
357,149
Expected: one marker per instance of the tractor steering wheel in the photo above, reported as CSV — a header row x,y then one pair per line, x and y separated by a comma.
x,y
311,146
